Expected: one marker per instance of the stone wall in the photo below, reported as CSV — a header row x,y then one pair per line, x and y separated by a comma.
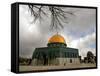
x,y
56,61
65,61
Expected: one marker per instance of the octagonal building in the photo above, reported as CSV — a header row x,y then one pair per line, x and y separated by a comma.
x,y
56,53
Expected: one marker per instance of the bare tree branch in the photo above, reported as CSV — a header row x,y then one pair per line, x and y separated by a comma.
x,y
58,15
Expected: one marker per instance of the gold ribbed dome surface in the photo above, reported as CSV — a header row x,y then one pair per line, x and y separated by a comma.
x,y
57,38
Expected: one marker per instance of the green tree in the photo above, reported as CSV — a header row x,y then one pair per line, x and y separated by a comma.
x,y
90,57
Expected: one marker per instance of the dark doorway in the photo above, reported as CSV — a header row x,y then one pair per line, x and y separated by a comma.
x,y
70,60
45,60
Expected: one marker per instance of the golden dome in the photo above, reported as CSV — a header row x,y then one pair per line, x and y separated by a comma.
x,y
57,38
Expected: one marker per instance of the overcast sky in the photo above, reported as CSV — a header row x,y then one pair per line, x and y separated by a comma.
x,y
79,33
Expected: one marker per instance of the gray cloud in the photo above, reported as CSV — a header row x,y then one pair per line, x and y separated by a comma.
x,y
83,44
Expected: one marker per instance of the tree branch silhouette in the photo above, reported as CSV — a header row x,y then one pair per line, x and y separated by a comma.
x,y
58,15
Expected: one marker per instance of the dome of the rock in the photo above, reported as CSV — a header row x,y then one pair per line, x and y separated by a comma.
x,y
56,53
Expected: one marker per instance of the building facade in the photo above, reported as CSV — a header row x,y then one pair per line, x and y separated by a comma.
x,y
56,53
